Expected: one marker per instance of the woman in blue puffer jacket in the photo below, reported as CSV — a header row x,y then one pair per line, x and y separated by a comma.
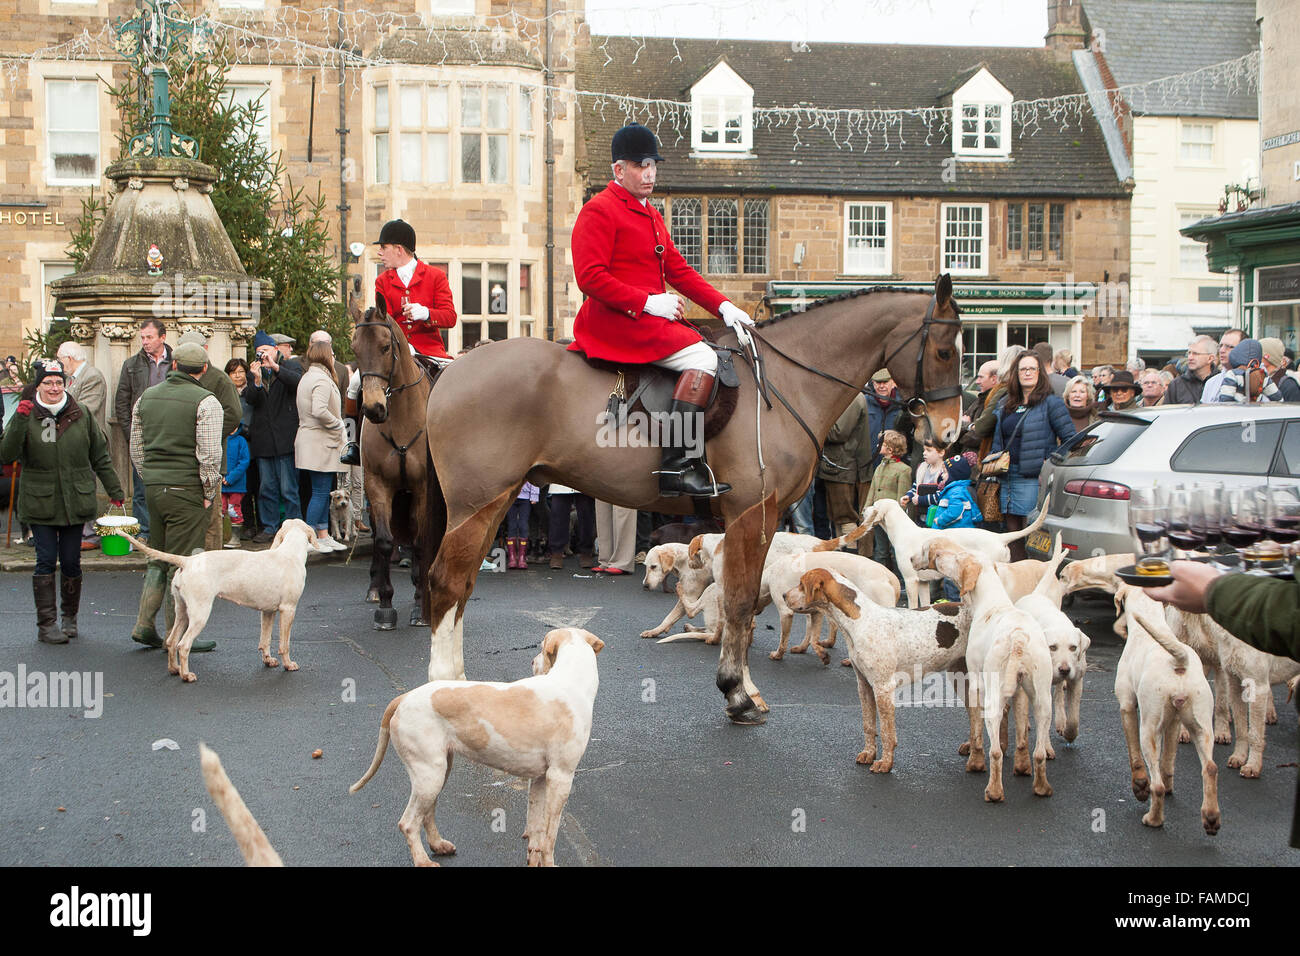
x,y
1030,422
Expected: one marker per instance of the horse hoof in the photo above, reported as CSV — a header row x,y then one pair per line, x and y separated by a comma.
x,y
417,620
385,618
372,596
746,714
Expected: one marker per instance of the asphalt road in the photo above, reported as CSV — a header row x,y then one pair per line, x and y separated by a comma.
x,y
666,780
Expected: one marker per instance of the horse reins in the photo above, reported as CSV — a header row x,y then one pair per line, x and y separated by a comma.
x,y
390,390
922,397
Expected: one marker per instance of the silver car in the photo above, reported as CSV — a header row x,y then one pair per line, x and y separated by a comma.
x,y
1085,484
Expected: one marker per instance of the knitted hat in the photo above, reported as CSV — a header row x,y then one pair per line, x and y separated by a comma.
x,y
1245,352
958,468
190,357
42,370
262,338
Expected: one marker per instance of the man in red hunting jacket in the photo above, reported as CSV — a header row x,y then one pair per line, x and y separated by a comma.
x,y
418,297
623,260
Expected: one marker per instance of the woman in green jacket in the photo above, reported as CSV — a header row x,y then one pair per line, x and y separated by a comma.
x,y
61,450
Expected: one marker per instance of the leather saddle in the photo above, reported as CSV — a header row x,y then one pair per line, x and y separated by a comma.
x,y
649,389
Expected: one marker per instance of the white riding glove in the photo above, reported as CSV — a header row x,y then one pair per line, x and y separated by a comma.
x,y
734,316
663,304
419,313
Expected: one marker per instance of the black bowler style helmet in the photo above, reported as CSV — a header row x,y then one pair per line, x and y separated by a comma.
x,y
635,143
398,233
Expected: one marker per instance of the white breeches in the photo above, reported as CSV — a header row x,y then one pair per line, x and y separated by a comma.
x,y
695,356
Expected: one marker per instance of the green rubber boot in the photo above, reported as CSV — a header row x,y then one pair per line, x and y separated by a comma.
x,y
151,599
169,616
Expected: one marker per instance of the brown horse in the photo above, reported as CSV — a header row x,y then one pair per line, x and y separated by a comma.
x,y
394,457
541,421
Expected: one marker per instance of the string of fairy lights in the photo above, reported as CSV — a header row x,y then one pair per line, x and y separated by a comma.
x,y
327,39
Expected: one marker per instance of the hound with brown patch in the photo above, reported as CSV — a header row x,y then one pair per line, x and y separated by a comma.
x,y
911,544
536,728
1160,687
889,647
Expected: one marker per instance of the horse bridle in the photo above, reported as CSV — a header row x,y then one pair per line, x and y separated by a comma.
x,y
389,388
916,406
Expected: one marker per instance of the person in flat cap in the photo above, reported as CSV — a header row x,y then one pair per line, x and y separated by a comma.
x,y
232,410
272,395
418,296
177,440
624,260
61,449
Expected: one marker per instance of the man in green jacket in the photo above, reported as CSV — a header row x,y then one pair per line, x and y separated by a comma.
x,y
176,446
1263,612
232,410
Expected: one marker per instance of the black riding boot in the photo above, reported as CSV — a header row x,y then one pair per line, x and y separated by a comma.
x,y
683,473
352,453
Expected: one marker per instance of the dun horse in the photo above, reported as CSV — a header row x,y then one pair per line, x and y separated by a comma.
x,y
395,458
546,426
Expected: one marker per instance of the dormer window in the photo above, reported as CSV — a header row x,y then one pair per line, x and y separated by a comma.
x,y
722,112
981,117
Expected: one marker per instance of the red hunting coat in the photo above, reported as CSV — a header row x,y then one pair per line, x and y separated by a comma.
x,y
429,287
617,266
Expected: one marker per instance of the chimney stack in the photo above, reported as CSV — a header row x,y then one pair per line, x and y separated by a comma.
x,y
1066,30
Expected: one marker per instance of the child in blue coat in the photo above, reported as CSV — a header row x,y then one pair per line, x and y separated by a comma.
x,y
235,483
957,508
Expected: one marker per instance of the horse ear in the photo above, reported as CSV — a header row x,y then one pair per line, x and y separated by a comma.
x,y
381,306
943,290
354,309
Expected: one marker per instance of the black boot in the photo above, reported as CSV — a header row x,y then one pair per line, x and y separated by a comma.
x,y
70,590
680,474
47,612
352,453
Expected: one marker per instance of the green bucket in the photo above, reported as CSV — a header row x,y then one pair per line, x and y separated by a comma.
x,y
114,545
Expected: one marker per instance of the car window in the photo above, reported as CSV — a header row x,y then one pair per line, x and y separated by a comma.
x,y
1100,443
1241,448
1291,450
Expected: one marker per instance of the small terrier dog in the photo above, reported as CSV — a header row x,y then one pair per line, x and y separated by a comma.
x,y
341,515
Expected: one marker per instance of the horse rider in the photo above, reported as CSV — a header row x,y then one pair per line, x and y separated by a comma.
x,y
623,258
424,298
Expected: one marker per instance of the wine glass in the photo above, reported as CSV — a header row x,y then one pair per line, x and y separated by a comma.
x,y
1285,524
1186,521
1149,525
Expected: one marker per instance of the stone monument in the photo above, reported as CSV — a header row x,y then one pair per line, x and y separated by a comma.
x,y
161,251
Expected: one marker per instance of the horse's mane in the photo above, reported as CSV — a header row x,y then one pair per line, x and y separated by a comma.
x,y
831,300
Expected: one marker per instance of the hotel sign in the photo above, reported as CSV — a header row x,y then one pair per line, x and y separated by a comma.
x,y
28,214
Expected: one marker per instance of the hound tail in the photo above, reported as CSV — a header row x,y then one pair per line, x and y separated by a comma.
x,y
1015,669
834,544
253,844
382,747
1048,585
1161,634
1008,536
175,559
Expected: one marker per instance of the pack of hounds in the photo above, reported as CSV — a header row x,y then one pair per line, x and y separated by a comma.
x,y
1006,642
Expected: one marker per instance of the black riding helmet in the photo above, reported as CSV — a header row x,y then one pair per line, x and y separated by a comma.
x,y
635,143
397,232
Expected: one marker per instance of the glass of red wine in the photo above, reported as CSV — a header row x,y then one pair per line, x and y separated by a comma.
x,y
1284,508
1186,521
